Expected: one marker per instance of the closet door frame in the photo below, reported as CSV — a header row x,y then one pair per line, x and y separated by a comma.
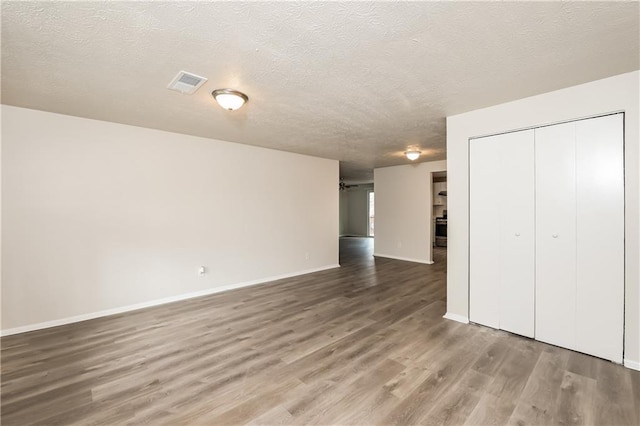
x,y
624,190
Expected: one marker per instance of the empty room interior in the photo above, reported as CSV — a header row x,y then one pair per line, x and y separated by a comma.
x,y
229,213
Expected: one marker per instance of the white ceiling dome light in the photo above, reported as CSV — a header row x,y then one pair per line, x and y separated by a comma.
x,y
229,99
412,155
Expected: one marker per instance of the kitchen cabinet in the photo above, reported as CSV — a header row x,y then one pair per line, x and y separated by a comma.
x,y
547,253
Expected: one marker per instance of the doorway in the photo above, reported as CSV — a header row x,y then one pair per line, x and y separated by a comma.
x,y
439,209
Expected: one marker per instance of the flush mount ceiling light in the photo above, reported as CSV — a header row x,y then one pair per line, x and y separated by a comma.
x,y
229,99
412,155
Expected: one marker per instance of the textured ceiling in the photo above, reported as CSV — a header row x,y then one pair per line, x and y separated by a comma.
x,y
356,81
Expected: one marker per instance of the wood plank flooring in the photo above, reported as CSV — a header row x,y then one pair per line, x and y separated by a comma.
x,y
362,344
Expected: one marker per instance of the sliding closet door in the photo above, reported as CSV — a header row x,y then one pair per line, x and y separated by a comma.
x,y
555,301
502,232
547,234
600,237
484,221
517,239
580,236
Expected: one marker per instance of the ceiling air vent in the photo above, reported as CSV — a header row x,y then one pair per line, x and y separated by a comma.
x,y
186,83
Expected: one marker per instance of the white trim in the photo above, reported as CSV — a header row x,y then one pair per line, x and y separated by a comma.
x,y
456,317
129,308
634,365
406,259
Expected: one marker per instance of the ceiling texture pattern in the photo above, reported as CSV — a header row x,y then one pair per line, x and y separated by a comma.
x,y
358,82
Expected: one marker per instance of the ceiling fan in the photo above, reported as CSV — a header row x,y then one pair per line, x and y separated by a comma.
x,y
343,186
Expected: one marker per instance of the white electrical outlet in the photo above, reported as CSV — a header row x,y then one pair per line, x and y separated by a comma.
x,y
306,256
202,270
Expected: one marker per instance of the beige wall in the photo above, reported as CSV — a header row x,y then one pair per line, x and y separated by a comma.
x,y
98,217
404,209
619,93
355,208
344,213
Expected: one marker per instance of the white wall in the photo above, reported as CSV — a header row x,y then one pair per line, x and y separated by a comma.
x,y
619,93
100,216
404,207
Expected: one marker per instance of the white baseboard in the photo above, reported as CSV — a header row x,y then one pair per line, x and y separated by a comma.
x,y
634,365
406,259
456,317
114,311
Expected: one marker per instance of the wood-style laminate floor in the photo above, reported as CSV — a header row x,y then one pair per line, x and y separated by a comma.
x,y
362,344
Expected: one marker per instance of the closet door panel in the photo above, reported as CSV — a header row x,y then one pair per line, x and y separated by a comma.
x,y
555,308
484,221
600,237
517,226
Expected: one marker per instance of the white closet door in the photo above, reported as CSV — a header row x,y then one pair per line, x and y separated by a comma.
x,y
555,302
517,226
502,232
484,222
600,237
